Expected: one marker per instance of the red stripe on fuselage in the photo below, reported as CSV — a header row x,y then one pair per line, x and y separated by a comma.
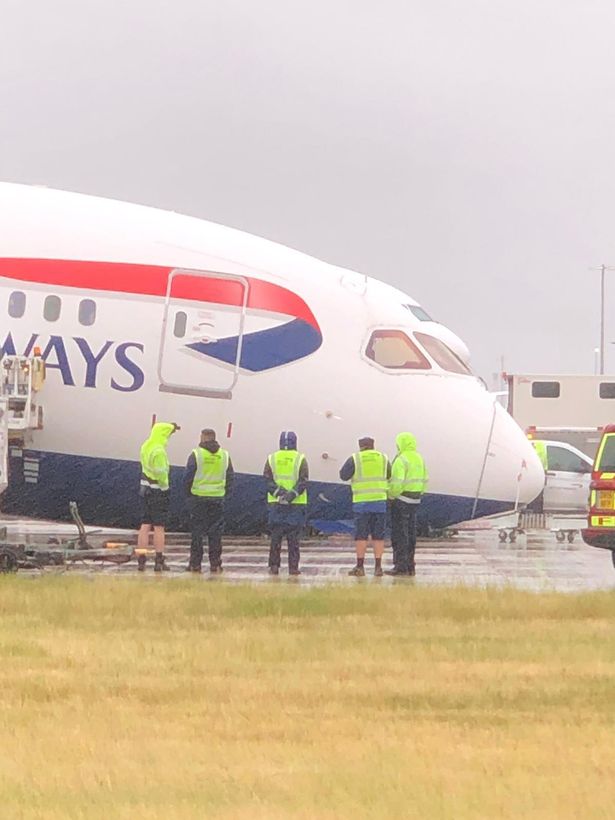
x,y
152,280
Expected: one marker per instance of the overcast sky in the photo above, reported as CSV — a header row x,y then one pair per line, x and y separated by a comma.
x,y
462,150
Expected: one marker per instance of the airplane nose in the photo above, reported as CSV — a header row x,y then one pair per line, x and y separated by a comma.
x,y
512,467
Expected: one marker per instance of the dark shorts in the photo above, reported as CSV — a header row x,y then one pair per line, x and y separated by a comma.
x,y
371,523
155,508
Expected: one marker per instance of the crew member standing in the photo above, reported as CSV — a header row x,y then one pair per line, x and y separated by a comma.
x,y
155,491
537,505
207,481
368,472
287,476
408,483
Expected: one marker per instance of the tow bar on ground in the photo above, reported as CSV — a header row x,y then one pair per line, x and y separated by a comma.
x,y
57,552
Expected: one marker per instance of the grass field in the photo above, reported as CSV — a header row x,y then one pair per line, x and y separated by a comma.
x,y
143,698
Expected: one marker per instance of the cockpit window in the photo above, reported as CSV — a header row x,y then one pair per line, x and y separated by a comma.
x,y
394,350
442,354
419,312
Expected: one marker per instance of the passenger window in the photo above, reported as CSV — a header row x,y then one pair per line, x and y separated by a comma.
x,y
545,390
394,350
607,390
17,304
442,354
51,310
179,328
87,312
561,459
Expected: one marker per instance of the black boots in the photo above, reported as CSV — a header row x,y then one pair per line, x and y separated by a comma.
x,y
160,565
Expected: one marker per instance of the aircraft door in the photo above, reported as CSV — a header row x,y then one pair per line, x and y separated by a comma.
x,y
202,333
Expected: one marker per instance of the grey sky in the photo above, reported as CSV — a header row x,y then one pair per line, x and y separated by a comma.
x,y
459,149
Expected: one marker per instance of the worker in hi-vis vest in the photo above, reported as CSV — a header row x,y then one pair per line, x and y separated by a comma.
x,y
207,482
537,505
541,452
154,491
287,476
368,472
406,487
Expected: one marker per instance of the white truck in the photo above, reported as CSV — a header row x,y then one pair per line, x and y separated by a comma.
x,y
568,413
568,475
564,408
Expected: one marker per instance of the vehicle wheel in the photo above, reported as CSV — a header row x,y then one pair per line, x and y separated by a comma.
x,y
502,535
571,537
513,537
8,561
560,536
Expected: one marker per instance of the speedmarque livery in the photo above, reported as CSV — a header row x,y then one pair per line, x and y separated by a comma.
x,y
144,314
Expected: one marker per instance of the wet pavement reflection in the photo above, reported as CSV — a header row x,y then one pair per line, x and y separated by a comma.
x,y
536,561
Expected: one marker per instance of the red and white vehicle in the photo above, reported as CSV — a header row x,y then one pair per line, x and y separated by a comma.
x,y
600,530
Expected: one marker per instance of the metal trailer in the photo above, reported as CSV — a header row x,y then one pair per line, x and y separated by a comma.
x,y
510,525
57,552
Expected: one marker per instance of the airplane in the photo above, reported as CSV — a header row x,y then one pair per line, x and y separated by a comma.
x,y
142,314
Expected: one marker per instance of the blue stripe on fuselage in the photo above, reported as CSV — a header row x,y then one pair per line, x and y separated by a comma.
x,y
107,493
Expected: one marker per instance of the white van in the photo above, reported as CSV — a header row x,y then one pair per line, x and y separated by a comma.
x,y
568,477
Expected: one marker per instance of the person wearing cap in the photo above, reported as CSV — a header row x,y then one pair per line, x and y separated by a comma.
x,y
207,482
368,471
287,475
155,491
408,483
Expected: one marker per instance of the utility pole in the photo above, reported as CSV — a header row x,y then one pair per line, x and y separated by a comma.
x,y
602,278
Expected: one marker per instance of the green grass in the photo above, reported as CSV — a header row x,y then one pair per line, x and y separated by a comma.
x,y
144,698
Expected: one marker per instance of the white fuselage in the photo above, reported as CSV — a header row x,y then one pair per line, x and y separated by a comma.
x,y
104,378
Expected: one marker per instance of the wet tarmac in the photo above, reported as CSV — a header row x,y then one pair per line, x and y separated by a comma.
x,y
535,562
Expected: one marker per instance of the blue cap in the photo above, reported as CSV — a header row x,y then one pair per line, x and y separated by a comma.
x,y
288,440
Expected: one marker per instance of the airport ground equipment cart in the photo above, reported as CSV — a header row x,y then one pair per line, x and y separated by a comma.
x,y
21,411
57,552
509,526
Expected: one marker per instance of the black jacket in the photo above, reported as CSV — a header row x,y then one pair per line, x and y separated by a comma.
x,y
190,471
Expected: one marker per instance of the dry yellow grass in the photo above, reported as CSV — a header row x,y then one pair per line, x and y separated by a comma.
x,y
138,698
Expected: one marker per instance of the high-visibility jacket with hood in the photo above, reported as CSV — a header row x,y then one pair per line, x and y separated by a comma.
x,y
154,458
408,472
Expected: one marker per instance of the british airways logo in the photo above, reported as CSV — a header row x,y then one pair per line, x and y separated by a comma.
x,y
290,330
58,352
273,326
264,349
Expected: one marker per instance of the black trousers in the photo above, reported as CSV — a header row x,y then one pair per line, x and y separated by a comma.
x,y
206,519
292,533
403,534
